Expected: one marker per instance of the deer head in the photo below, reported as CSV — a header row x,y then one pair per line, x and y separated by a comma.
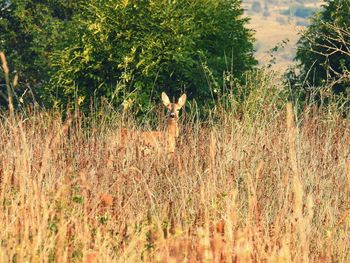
x,y
173,108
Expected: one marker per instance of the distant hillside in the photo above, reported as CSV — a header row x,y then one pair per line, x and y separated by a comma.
x,y
277,24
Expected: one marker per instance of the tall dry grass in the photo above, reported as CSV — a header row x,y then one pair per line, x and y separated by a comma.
x,y
259,184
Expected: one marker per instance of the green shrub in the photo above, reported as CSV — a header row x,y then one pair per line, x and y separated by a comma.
x,y
30,32
131,50
323,49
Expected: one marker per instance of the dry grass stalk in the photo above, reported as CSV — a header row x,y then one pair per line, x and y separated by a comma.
x,y
4,63
348,171
76,197
7,80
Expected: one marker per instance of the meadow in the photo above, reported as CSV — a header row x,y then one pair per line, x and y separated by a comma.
x,y
258,180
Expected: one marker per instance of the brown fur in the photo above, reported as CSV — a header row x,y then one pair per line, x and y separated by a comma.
x,y
158,139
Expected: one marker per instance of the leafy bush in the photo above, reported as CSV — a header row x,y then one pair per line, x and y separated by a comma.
x,y
30,32
323,49
118,48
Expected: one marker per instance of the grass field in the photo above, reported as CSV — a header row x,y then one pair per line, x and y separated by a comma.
x,y
257,181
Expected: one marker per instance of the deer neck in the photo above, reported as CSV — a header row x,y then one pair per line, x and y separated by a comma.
x,y
173,129
172,133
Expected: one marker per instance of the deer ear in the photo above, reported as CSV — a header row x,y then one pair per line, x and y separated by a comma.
x,y
165,99
182,100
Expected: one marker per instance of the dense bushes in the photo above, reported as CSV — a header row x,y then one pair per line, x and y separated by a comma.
x,y
129,51
30,32
126,50
149,46
323,49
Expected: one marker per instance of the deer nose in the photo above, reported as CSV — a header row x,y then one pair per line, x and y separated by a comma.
x,y
172,115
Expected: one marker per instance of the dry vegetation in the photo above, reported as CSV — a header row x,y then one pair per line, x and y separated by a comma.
x,y
253,183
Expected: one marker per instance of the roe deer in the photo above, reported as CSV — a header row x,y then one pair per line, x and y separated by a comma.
x,y
159,139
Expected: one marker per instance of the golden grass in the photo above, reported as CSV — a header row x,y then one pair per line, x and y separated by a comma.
x,y
255,183
277,191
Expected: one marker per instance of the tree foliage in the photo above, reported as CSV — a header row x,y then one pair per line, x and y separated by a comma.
x,y
324,48
125,50
30,33
149,46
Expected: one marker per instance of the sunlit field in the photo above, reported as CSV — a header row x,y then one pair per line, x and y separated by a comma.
x,y
256,181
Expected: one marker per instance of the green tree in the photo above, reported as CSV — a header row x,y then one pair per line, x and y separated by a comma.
x,y
147,46
323,50
30,31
